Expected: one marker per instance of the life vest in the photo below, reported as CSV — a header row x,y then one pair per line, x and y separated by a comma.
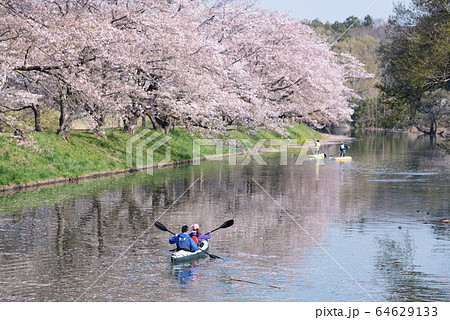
x,y
317,144
342,146
194,236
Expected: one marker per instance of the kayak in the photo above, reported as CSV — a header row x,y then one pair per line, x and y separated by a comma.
x,y
317,156
183,256
347,158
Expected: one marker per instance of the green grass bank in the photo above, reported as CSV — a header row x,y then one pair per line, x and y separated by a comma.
x,y
87,153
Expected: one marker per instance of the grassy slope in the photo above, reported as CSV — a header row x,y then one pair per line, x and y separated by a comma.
x,y
86,153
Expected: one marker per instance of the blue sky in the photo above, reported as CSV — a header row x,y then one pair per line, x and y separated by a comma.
x,y
331,10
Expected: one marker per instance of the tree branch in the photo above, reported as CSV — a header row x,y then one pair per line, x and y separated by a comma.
x,y
286,87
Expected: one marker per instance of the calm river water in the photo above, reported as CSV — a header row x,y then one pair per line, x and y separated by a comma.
x,y
354,231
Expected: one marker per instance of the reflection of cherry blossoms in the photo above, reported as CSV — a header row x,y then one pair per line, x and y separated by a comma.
x,y
199,63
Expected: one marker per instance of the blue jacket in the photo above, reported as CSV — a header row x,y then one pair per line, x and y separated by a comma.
x,y
184,241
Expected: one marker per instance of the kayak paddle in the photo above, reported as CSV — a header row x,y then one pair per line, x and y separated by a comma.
x,y
334,155
224,225
162,227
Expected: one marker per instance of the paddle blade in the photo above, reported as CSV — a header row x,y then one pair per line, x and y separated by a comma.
x,y
212,256
162,227
226,224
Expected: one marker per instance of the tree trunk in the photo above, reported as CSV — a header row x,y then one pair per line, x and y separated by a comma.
x,y
130,124
130,119
65,120
1,126
98,116
433,127
37,117
151,120
99,125
160,123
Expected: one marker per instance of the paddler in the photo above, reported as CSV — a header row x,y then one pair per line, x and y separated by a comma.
x,y
316,147
197,236
184,241
342,148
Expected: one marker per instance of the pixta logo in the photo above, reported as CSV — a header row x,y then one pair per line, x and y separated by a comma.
x,y
142,146
140,150
252,151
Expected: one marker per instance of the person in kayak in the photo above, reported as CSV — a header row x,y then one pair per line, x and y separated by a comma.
x,y
197,236
342,148
184,241
316,147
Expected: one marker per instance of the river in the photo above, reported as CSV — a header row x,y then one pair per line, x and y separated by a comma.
x,y
309,231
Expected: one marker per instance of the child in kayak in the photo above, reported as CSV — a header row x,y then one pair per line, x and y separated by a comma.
x,y
197,236
184,241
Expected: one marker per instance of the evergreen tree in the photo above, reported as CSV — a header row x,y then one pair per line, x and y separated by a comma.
x,y
352,22
368,22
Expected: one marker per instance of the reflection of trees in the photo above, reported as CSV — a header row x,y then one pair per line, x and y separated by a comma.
x,y
395,264
64,234
264,227
87,232
391,166
441,230
98,206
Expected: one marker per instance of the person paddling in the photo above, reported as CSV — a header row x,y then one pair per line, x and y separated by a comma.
x,y
342,148
197,236
316,147
184,241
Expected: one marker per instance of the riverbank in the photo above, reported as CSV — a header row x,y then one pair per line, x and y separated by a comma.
x,y
87,156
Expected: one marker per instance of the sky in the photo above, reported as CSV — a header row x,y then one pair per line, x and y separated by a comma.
x,y
332,10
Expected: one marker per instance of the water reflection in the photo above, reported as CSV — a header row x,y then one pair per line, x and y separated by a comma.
x,y
55,242
186,273
441,231
404,281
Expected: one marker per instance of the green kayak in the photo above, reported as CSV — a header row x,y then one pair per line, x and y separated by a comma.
x,y
185,256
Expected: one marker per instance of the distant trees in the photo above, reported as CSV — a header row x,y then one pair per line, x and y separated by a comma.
x,y
362,39
416,82
206,64
409,57
338,28
368,22
352,22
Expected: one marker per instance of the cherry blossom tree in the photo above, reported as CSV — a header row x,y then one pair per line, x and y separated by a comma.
x,y
200,63
290,71
60,45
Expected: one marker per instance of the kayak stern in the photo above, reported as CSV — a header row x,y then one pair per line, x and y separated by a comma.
x,y
183,256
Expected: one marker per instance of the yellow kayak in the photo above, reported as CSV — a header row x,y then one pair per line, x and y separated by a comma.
x,y
317,156
347,158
